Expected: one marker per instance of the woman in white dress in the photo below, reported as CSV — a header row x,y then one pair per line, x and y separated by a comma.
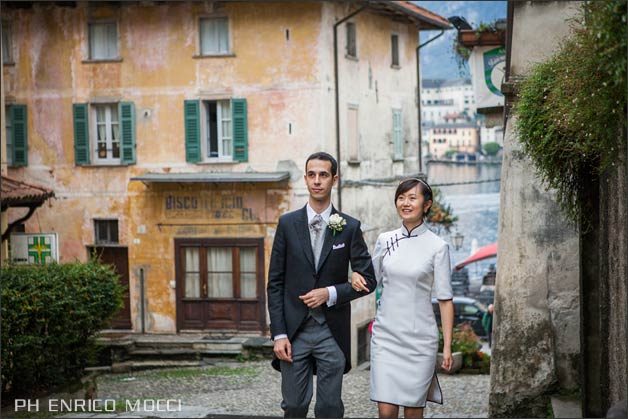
x,y
412,264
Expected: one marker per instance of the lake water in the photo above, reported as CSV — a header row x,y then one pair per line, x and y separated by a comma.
x,y
476,205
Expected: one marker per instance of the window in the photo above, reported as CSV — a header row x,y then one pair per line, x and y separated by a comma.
x,y
352,50
106,231
107,133
217,130
470,309
104,133
214,35
394,40
7,44
103,41
230,272
397,135
353,133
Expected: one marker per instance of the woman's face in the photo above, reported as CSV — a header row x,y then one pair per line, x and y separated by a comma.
x,y
411,205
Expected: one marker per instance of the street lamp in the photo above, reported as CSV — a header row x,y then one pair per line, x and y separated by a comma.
x,y
457,239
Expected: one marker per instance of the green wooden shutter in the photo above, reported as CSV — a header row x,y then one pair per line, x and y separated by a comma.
x,y
240,130
20,135
127,128
81,134
191,112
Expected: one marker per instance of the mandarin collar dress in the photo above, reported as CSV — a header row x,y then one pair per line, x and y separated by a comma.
x,y
411,266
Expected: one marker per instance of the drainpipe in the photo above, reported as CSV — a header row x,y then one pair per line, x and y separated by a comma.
x,y
418,95
142,309
341,21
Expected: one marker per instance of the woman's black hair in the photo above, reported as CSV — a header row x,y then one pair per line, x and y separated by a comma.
x,y
407,184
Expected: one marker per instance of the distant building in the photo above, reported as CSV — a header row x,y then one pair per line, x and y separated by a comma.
x,y
440,98
463,137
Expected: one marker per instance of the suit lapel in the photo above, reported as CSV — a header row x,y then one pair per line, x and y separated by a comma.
x,y
327,243
301,226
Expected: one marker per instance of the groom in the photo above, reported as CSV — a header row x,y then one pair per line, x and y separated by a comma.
x,y
309,294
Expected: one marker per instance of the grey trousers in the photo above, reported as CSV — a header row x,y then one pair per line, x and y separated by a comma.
x,y
313,345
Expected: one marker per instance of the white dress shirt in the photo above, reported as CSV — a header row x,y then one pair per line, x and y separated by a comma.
x,y
332,290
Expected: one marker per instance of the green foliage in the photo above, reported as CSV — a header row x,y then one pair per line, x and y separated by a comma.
x,y
440,213
449,153
50,314
462,53
491,149
571,112
466,341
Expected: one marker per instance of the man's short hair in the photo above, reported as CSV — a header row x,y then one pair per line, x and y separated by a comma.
x,y
321,155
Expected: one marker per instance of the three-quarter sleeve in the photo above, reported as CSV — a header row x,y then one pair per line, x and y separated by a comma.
x,y
442,274
378,255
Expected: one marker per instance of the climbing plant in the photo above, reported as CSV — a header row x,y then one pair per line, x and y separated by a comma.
x,y
441,214
571,109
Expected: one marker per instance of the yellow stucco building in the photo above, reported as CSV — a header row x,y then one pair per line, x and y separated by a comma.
x,y
174,135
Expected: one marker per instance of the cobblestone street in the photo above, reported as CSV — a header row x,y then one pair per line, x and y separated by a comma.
x,y
253,389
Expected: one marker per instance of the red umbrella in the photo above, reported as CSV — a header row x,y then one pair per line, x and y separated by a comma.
x,y
485,252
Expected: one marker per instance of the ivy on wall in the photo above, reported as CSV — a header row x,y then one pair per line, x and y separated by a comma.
x,y
571,109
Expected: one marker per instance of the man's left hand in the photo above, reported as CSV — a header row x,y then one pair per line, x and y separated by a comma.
x,y
316,297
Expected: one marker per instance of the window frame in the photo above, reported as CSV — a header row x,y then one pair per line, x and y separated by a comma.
x,y
235,244
199,43
393,64
357,158
98,240
93,135
348,52
90,57
205,146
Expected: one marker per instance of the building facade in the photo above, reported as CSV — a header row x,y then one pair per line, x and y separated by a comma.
x,y
175,134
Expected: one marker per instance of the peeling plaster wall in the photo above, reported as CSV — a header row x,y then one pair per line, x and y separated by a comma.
x,y
289,87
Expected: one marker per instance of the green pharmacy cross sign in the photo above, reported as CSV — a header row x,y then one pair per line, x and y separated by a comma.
x,y
39,250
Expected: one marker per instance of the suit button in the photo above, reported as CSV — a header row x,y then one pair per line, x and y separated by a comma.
x,y
316,276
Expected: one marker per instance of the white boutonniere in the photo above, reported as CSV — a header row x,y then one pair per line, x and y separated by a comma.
x,y
336,223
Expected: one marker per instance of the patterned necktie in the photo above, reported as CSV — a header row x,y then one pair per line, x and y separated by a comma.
x,y
316,236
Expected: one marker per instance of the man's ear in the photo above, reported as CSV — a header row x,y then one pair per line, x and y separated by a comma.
x,y
335,179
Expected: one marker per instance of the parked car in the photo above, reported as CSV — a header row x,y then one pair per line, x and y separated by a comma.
x,y
466,310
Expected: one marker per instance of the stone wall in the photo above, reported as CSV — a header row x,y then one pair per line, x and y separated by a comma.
x,y
536,331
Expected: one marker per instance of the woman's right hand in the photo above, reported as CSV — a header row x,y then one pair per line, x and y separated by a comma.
x,y
358,282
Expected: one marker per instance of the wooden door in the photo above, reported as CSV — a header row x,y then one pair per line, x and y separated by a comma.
x,y
220,284
118,256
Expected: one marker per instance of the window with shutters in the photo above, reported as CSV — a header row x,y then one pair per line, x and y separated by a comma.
x,y
216,130
106,133
7,43
103,40
214,36
352,49
397,135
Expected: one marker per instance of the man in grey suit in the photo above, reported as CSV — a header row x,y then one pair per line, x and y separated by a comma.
x,y
309,294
